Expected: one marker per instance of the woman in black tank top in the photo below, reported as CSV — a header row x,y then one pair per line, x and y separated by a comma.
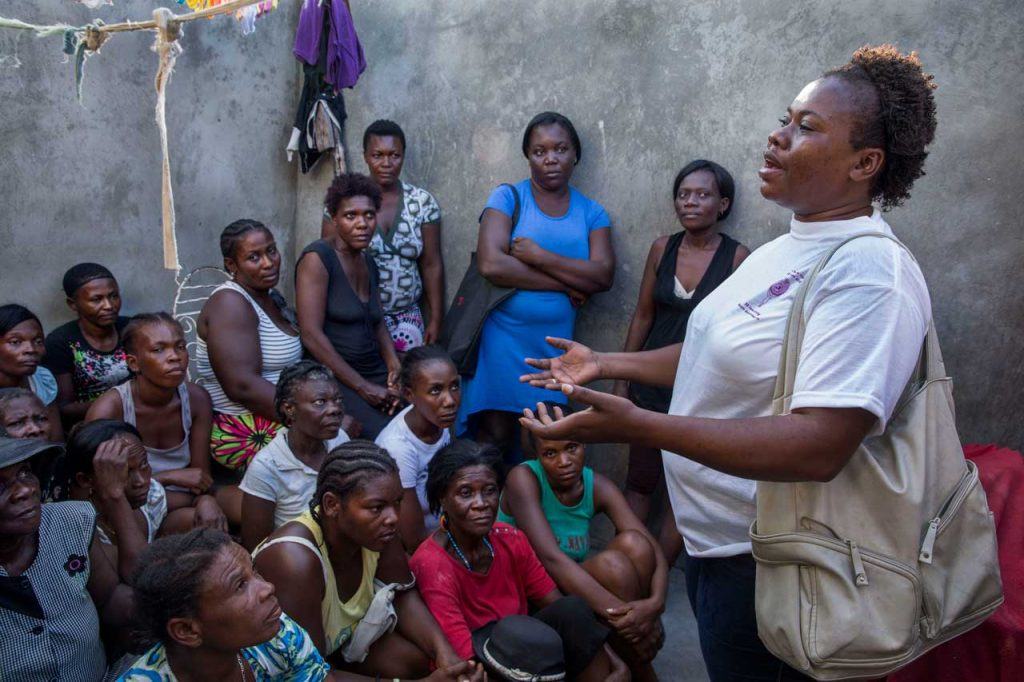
x,y
681,271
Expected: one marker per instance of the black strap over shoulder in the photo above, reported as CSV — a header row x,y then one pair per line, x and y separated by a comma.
x,y
515,205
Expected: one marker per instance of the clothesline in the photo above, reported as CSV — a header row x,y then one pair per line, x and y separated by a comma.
x,y
80,40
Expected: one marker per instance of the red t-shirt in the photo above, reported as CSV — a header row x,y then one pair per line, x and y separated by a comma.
x,y
462,601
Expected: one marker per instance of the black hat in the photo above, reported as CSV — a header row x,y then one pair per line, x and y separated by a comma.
x,y
520,648
14,450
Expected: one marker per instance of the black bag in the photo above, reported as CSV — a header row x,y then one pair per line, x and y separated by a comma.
x,y
473,302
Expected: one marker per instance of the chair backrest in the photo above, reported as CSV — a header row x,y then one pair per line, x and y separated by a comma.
x,y
189,298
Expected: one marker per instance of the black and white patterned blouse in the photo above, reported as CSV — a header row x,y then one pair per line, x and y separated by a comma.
x,y
49,628
396,249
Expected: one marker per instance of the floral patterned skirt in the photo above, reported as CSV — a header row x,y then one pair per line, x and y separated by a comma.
x,y
236,438
406,328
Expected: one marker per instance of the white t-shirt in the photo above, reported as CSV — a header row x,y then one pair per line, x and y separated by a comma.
x,y
154,511
412,456
275,474
866,317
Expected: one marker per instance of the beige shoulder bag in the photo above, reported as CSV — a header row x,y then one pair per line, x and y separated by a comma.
x,y
859,576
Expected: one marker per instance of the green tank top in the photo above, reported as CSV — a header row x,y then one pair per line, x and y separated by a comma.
x,y
570,525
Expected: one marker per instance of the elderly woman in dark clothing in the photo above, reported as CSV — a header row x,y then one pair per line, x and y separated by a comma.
x,y
56,586
337,294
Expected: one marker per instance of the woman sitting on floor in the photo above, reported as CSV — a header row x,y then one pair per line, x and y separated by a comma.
x,y
58,587
86,355
324,565
337,296
430,383
281,478
245,339
21,351
552,499
473,572
172,414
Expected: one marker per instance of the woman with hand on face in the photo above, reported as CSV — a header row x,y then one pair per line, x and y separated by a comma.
x,y
681,270
281,478
430,384
172,414
87,355
214,618
407,243
21,352
557,254
245,339
473,572
59,586
857,134
552,499
337,294
324,565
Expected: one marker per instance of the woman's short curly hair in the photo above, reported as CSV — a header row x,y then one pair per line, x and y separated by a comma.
x,y
349,185
897,115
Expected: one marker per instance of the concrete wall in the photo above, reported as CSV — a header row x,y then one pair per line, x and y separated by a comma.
x,y
652,84
82,182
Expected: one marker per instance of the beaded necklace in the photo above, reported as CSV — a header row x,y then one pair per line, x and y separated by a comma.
x,y
462,557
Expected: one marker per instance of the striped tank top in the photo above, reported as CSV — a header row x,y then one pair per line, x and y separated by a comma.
x,y
277,349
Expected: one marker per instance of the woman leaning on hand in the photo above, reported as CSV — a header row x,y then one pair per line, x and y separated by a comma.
x,y
855,135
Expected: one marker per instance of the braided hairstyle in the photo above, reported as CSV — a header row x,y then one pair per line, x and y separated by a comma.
x,y
233,233
169,579
418,356
897,114
294,376
347,469
455,457
83,273
138,322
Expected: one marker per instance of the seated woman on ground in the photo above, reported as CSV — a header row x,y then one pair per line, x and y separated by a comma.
x,y
337,295
244,339
552,499
23,415
281,478
430,383
172,414
51,559
86,355
324,565
473,571
21,352
212,617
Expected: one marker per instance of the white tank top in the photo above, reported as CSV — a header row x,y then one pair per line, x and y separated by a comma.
x,y
278,350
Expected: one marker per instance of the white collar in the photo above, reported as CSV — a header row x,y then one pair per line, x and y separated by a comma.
x,y
831,229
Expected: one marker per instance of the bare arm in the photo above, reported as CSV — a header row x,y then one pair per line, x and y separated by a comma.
x,y
298,581
234,346
432,271
202,426
580,365
72,410
809,444
410,521
107,406
522,493
589,276
499,266
110,474
643,315
257,520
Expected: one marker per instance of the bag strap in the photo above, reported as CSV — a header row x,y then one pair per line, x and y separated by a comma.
x,y
929,363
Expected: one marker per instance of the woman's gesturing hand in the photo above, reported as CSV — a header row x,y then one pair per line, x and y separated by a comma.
x,y
577,365
608,419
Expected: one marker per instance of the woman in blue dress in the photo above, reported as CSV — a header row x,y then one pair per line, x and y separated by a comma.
x,y
557,255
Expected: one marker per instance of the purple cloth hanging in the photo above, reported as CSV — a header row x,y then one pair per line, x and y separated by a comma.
x,y
345,60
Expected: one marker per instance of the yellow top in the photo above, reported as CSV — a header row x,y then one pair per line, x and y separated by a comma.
x,y
339,618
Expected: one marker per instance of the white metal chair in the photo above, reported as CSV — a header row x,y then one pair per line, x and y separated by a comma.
x,y
192,292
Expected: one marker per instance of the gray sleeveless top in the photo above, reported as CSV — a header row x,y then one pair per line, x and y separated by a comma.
x,y
167,459
49,625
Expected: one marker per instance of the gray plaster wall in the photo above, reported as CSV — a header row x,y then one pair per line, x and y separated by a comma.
x,y
82,181
652,84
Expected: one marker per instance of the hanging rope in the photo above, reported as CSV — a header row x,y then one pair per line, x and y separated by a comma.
x,y
81,41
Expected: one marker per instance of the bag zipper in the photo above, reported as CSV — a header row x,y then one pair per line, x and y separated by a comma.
x,y
946,513
860,576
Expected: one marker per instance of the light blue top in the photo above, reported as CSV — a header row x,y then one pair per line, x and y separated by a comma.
x,y
516,329
44,385
289,656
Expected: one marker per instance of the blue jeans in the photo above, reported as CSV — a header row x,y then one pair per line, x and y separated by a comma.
x,y
721,592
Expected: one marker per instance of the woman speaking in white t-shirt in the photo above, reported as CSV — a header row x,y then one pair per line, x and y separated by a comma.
x,y
854,136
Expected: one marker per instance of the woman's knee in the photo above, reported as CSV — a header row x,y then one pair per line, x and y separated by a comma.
x,y
616,573
640,550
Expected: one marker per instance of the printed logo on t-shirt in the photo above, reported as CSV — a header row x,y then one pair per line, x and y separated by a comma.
x,y
776,290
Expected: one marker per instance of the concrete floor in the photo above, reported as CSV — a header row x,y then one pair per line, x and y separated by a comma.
x,y
679,660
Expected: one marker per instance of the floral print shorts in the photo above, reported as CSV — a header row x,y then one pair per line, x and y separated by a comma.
x,y
236,438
